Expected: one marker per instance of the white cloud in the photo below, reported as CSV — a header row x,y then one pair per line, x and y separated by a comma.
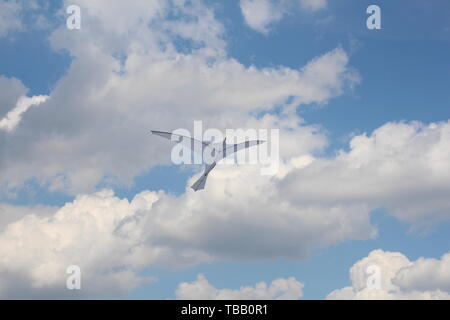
x,y
14,102
13,12
199,25
231,219
426,275
96,125
36,250
100,120
228,220
12,118
11,90
11,213
400,278
142,80
10,17
201,289
313,5
404,167
260,14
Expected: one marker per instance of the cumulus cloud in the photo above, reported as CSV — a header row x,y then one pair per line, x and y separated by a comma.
x,y
404,167
399,277
201,289
12,118
14,102
36,250
11,90
100,121
12,13
242,215
95,126
10,17
313,5
261,15
426,275
229,220
11,213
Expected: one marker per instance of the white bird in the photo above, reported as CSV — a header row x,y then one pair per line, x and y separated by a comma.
x,y
218,151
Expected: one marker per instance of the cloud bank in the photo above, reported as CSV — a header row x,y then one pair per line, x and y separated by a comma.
x,y
95,125
262,15
201,289
401,279
9,17
94,128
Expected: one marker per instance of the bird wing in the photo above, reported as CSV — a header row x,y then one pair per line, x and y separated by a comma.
x,y
233,148
187,142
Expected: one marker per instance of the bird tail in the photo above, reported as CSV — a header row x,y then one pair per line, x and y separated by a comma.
x,y
200,183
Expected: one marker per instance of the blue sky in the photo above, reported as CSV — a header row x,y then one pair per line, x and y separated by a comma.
x,y
404,73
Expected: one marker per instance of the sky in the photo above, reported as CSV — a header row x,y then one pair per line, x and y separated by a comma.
x,y
364,149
